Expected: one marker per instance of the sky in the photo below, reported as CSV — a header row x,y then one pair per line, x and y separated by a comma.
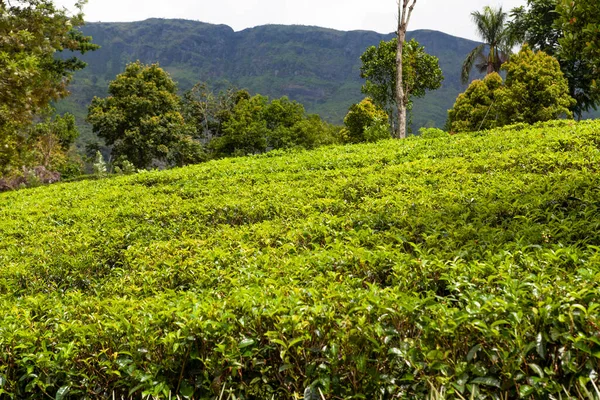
x,y
449,16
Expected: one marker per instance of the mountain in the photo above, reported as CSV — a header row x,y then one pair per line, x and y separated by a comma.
x,y
315,66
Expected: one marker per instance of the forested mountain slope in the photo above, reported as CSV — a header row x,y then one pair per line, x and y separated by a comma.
x,y
315,66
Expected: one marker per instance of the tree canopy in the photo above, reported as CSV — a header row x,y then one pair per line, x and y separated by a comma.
x,y
471,111
570,32
535,90
535,25
141,118
256,124
365,122
32,32
580,50
421,72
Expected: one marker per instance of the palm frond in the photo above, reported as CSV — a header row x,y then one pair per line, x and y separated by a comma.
x,y
492,27
476,53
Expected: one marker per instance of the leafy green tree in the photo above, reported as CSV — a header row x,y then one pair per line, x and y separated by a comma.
x,y
256,125
282,115
579,52
48,144
246,131
493,29
207,111
564,30
535,89
472,110
421,72
312,132
580,22
359,122
32,32
535,25
141,118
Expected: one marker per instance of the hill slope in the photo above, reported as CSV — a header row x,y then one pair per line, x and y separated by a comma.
x,y
469,262
315,66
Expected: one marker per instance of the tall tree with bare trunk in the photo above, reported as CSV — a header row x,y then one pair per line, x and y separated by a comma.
x,y
405,9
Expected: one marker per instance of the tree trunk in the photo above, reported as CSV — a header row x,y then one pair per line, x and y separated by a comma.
x,y
401,129
404,13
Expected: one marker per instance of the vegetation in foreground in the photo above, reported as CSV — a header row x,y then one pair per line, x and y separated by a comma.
x,y
465,263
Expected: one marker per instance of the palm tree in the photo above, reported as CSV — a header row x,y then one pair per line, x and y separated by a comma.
x,y
493,30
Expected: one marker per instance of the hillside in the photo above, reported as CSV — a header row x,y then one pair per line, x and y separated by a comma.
x,y
315,66
465,264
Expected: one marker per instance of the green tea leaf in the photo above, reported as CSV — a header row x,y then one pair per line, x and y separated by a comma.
x,y
186,390
62,392
525,391
536,368
245,343
487,381
541,345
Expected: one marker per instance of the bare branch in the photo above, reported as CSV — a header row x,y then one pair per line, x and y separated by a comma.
x,y
410,10
404,17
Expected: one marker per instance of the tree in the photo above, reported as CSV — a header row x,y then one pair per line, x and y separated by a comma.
x,y
49,141
207,111
564,30
535,25
32,32
141,118
256,125
580,21
421,72
535,90
579,52
493,30
360,118
405,9
472,110
309,133
282,115
245,131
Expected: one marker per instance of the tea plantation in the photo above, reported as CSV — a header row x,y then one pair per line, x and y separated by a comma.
x,y
457,267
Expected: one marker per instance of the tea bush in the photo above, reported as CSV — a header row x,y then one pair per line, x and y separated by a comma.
x,y
465,263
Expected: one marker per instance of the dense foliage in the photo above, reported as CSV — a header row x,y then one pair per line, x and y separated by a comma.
x,y
31,33
254,125
580,50
208,110
465,263
535,25
421,73
365,122
471,111
535,90
141,119
567,30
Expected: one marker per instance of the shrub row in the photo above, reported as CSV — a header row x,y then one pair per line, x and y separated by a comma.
x,y
465,263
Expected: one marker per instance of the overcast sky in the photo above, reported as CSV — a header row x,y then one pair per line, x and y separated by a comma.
x,y
449,16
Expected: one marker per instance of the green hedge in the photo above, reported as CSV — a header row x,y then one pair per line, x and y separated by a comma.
x,y
465,264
